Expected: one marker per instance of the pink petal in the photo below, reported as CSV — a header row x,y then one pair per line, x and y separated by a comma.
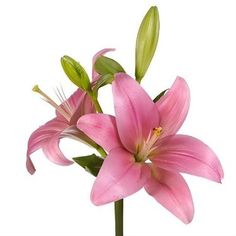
x,y
136,114
101,128
187,154
95,75
84,107
173,107
52,151
40,137
172,192
78,104
119,177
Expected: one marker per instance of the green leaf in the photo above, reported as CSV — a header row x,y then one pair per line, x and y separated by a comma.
x,y
105,65
146,42
159,96
91,163
75,72
103,80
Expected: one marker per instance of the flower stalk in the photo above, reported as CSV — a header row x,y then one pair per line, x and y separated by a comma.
x,y
119,205
95,101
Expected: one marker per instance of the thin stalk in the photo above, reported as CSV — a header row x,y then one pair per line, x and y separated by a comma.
x,y
95,101
101,151
119,217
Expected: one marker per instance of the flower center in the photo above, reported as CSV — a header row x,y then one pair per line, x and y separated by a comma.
x,y
148,146
65,111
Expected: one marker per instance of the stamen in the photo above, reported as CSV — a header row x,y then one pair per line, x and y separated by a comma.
x,y
148,145
51,102
157,131
65,104
66,101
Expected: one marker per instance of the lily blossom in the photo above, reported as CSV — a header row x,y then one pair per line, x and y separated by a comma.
x,y
63,125
144,149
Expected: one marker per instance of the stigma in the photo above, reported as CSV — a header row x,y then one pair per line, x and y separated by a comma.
x,y
64,112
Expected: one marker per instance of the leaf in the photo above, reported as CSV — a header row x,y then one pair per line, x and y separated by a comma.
x,y
91,163
146,42
105,65
75,72
159,96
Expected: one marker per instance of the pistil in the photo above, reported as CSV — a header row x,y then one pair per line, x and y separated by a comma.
x,y
65,114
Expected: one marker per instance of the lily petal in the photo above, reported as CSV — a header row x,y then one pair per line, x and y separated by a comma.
x,y
119,177
78,104
101,128
40,137
172,192
136,114
95,75
182,153
174,106
52,151
83,106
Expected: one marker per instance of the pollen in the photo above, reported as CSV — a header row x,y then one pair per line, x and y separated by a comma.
x,y
157,131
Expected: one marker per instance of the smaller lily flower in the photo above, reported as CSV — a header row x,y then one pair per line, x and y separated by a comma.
x,y
48,135
144,149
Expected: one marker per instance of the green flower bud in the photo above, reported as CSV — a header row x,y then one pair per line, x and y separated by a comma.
x,y
75,72
146,42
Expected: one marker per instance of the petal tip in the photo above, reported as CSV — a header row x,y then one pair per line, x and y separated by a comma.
x,y
30,166
94,199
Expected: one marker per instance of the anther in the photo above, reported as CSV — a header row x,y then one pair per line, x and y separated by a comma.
x,y
157,131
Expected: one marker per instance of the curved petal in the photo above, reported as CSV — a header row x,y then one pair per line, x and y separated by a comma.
x,y
40,137
172,192
101,128
95,75
84,107
136,114
182,153
173,107
119,177
52,150
78,104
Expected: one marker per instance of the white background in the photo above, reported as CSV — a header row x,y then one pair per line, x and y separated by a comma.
x,y
197,41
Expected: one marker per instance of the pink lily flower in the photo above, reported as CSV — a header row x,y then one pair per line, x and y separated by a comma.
x,y
63,125
144,149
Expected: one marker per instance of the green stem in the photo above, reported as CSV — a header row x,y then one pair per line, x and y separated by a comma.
x,y
119,217
101,151
95,101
